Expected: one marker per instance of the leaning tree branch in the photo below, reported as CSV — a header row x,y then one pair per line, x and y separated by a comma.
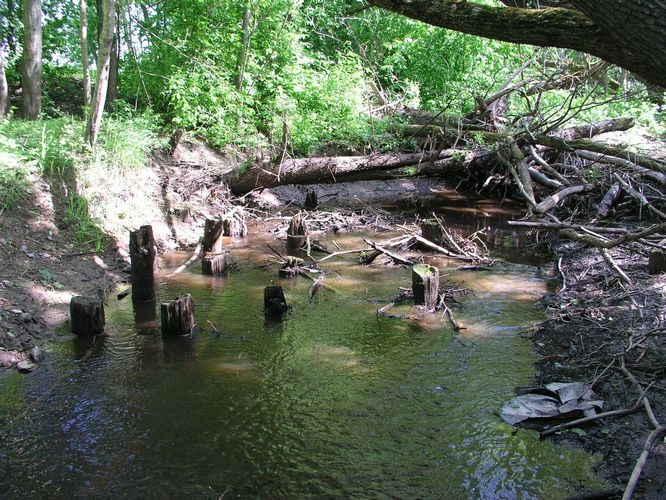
x,y
588,239
584,25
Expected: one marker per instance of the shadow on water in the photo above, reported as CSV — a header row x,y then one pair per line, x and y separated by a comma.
x,y
330,401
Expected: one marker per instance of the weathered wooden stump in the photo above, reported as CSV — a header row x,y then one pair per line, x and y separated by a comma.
x,y
274,301
432,231
657,260
296,233
234,227
143,255
214,265
87,315
311,201
425,284
178,316
212,239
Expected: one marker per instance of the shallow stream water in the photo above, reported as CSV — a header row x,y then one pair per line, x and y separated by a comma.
x,y
333,401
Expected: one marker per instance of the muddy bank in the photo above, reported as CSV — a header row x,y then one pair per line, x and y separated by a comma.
x,y
598,325
43,265
415,191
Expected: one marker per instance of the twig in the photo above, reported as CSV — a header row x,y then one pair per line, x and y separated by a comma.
x,y
642,460
611,262
217,332
191,260
613,413
564,278
392,255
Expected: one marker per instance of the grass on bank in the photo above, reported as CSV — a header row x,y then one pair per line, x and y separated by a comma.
x,y
54,148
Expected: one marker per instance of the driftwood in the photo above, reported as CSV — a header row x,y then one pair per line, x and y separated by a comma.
x,y
553,200
609,200
397,258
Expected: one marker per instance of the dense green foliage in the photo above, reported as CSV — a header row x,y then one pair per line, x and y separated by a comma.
x,y
53,148
310,64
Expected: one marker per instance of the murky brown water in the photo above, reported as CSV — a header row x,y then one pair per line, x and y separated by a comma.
x,y
334,401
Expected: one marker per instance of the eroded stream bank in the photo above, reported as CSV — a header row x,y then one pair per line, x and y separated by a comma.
x,y
333,401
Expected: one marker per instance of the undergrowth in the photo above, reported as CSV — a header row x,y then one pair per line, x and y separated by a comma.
x,y
54,148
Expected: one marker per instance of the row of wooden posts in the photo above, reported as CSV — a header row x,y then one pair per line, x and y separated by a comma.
x,y
177,316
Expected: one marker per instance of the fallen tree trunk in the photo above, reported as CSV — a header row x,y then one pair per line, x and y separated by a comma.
x,y
355,168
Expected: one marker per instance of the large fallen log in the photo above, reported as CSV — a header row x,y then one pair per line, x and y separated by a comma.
x,y
323,169
355,168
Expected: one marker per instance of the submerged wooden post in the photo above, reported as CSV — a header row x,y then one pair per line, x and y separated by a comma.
x,y
274,301
214,265
296,233
425,284
311,201
212,239
87,315
432,231
234,227
143,255
178,316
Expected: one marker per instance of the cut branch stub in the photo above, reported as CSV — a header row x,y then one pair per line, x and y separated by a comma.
x,y
87,315
214,265
143,255
432,231
178,316
274,301
296,233
213,232
425,285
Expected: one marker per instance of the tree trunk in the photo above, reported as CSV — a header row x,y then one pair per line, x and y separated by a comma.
x,y
86,315
83,14
586,25
245,46
112,89
4,93
11,27
32,59
342,168
103,66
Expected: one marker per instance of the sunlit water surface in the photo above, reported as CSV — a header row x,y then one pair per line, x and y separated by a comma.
x,y
333,401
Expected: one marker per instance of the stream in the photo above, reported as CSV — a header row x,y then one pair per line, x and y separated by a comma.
x,y
333,401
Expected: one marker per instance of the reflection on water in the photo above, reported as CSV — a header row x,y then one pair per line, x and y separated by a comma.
x,y
334,401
